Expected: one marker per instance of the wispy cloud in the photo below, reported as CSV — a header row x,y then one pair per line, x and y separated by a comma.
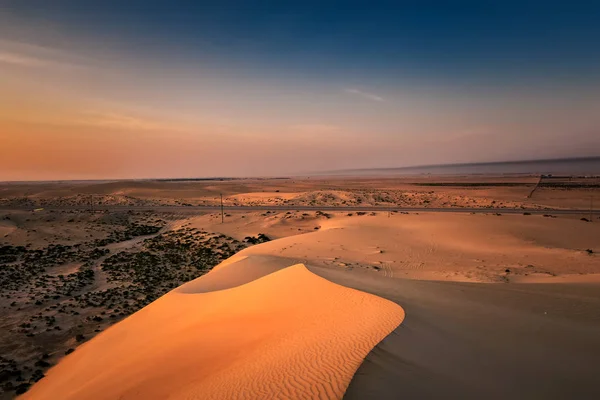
x,y
366,95
106,120
33,56
124,121
315,128
19,59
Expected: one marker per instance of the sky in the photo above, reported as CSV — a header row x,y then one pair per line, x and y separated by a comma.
x,y
158,89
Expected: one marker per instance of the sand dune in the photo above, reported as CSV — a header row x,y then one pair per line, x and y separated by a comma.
x,y
255,328
477,340
290,334
236,271
455,247
461,339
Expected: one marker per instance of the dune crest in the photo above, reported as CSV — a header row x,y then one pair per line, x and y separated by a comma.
x,y
290,334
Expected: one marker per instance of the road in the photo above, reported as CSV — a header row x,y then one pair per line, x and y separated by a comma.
x,y
213,208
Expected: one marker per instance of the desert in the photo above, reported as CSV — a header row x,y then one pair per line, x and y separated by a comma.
x,y
166,300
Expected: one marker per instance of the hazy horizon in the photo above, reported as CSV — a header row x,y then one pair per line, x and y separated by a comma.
x,y
569,166
184,88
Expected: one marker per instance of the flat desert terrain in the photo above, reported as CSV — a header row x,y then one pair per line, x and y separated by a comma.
x,y
297,304
473,191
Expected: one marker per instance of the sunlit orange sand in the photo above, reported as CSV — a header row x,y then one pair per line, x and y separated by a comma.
x,y
290,334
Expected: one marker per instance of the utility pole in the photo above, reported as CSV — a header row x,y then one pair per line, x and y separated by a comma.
x,y
222,217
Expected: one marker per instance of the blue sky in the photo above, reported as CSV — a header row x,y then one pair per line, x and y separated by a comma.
x,y
477,80
482,37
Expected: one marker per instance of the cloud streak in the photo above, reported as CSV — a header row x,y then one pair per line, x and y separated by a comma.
x,y
18,59
365,95
33,56
315,128
116,121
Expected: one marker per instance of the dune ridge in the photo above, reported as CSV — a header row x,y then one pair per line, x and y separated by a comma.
x,y
289,334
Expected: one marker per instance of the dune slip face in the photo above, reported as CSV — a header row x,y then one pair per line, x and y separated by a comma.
x,y
288,335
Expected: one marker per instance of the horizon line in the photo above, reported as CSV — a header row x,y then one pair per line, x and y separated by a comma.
x,y
465,164
316,173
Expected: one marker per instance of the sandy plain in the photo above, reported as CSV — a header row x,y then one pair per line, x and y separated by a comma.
x,y
406,191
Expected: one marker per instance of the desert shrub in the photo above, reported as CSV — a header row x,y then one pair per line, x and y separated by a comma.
x,y
261,238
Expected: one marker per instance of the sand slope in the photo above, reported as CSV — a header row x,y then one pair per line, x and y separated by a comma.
x,y
462,340
6,229
481,341
290,334
437,246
